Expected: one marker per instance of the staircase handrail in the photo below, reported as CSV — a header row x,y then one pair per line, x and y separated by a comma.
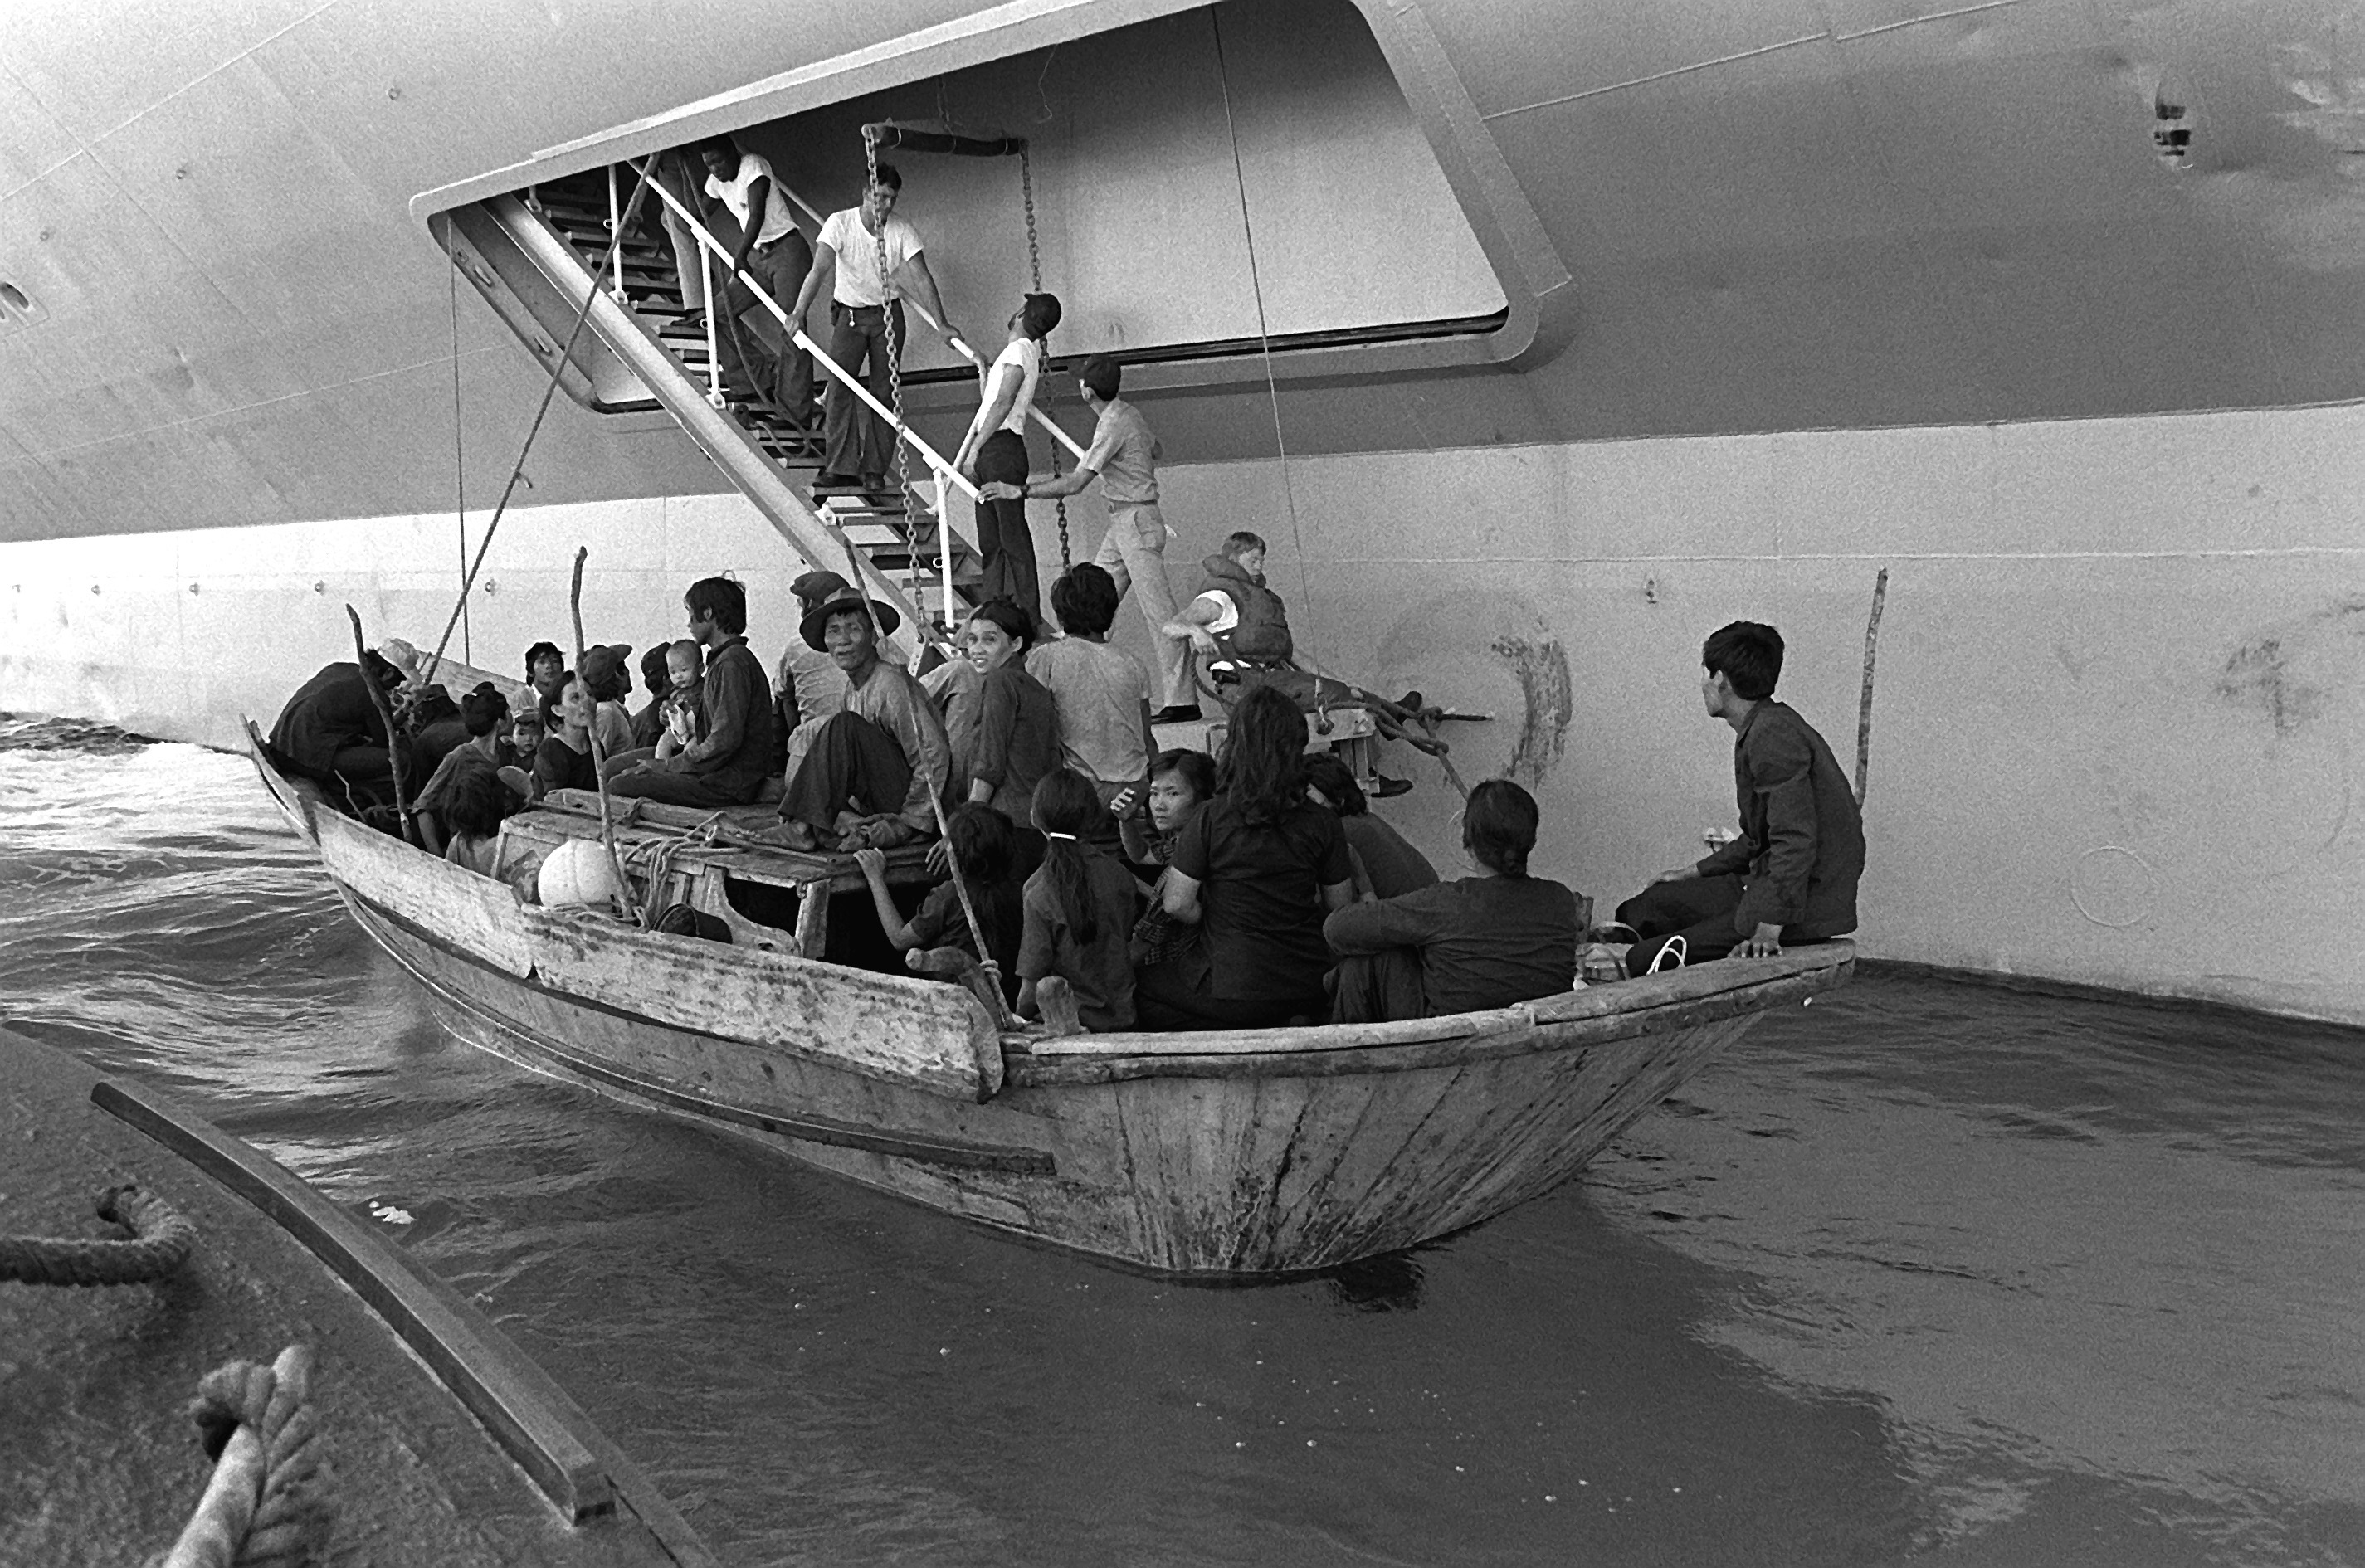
x,y
929,455
962,348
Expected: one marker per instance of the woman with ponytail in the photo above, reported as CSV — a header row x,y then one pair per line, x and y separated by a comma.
x,y
1078,908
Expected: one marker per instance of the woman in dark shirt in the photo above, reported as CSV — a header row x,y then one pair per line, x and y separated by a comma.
x,y
1257,869
1017,737
565,760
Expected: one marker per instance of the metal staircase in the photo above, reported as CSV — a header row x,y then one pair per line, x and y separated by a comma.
x,y
536,258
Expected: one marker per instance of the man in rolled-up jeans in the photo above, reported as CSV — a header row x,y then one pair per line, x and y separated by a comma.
x,y
858,445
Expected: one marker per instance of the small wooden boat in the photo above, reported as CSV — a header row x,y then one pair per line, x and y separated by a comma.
x,y
1228,1153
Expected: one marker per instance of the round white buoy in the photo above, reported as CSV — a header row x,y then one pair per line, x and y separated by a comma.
x,y
577,872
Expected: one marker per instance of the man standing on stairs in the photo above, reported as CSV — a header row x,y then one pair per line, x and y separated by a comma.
x,y
772,251
858,445
1124,458
994,453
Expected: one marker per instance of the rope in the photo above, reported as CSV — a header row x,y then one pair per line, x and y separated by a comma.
x,y
161,1242
1035,269
459,462
1264,337
264,1508
887,301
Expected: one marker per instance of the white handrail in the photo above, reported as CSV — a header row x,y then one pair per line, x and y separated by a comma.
x,y
963,349
706,240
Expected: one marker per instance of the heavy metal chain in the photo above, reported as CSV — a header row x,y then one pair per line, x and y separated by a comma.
x,y
1035,269
887,302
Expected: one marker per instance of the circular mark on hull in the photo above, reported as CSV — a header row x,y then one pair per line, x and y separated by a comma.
x,y
2112,887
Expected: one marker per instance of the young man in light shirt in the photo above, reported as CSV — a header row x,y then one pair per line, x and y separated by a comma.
x,y
994,453
858,445
775,255
1124,458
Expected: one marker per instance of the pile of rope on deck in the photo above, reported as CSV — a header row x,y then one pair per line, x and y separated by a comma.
x,y
264,1506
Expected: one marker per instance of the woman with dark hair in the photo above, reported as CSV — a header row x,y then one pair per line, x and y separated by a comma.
x,y
565,760
474,810
983,844
485,712
1256,870
1484,941
1079,909
1017,736
1385,865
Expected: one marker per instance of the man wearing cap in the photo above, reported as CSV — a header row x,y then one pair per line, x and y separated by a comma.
x,y
875,773
727,768
607,677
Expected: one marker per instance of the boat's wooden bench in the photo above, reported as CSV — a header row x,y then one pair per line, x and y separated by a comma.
x,y
696,870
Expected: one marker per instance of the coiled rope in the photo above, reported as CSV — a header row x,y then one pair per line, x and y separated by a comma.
x,y
161,1242
265,1507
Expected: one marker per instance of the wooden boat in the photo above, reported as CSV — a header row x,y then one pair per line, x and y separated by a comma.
x,y
1229,1153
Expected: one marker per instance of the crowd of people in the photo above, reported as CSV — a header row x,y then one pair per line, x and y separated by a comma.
x,y
1166,890
1163,889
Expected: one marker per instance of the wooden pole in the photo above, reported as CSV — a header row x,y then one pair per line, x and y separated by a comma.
x,y
943,827
1864,707
599,760
386,714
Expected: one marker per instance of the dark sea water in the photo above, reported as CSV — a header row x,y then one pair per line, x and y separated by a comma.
x,y
1925,1271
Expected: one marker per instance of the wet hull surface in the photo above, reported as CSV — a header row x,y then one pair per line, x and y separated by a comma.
x,y
1920,1270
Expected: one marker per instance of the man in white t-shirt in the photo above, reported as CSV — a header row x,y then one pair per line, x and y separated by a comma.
x,y
750,341
859,445
994,453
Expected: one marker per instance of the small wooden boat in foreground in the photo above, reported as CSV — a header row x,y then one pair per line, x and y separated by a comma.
x,y
1228,1153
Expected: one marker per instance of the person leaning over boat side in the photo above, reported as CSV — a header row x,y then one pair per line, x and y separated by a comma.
x,y
772,251
994,451
874,773
331,733
1124,458
728,768
858,444
475,809
1791,875
983,844
1100,693
1256,870
1386,866
1484,941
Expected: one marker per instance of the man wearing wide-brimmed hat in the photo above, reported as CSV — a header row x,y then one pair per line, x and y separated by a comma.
x,y
874,774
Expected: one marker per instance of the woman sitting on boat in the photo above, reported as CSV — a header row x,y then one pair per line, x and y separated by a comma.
x,y
983,845
565,760
1079,910
1256,870
472,811
1484,941
1386,865
484,711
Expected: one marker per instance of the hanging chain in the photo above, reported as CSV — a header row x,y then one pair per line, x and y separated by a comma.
x,y
887,303
1035,269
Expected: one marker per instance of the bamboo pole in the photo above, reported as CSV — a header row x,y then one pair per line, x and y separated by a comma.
x,y
943,827
1864,707
598,760
386,713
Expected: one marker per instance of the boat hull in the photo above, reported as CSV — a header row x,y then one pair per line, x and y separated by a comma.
x,y
1241,1154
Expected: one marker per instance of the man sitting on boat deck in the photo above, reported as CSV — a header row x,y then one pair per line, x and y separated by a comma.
x,y
875,773
1484,941
330,731
1791,875
728,768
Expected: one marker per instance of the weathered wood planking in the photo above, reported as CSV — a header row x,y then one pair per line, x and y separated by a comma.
x,y
476,914
1238,1153
933,1038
